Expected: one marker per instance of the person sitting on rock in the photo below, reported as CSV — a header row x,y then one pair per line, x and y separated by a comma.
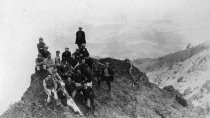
x,y
49,63
66,99
66,55
80,37
78,77
40,63
84,52
46,53
74,61
76,54
50,86
107,76
86,71
89,97
57,60
56,75
65,70
41,45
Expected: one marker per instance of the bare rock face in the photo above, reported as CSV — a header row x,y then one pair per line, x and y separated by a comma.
x,y
178,97
187,71
144,100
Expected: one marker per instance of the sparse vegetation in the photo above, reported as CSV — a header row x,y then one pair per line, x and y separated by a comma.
x,y
123,101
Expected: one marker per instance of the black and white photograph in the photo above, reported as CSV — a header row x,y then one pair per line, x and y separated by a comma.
x,y
104,59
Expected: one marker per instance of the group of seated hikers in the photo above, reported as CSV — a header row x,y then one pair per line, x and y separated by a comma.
x,y
72,74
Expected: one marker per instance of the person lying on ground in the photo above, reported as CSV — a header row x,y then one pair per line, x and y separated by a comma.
x,y
67,100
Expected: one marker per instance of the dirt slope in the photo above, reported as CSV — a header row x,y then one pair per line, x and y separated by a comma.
x,y
124,101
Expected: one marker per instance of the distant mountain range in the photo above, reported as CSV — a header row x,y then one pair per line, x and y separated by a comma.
x,y
187,70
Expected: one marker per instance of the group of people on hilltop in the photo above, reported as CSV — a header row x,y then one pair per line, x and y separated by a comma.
x,y
72,74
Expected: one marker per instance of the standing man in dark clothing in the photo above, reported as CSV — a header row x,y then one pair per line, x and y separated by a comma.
x,y
107,75
80,37
66,55
41,45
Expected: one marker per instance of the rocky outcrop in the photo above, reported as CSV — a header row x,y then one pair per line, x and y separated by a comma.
x,y
145,100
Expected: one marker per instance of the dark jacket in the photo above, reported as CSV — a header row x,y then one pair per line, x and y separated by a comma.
x,y
77,56
66,55
40,47
111,73
85,70
110,70
78,78
80,37
88,93
72,62
45,54
84,52
70,87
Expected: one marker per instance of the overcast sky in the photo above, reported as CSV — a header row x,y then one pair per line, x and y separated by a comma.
x,y
115,28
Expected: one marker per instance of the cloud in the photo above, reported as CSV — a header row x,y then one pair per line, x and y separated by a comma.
x,y
163,41
154,40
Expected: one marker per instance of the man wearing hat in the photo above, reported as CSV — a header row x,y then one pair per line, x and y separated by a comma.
x,y
107,75
40,45
66,55
80,37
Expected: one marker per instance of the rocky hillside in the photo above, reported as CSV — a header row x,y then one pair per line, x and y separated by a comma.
x,y
169,60
145,100
188,71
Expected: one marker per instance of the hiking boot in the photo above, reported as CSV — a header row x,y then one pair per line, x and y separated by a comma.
x,y
79,114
